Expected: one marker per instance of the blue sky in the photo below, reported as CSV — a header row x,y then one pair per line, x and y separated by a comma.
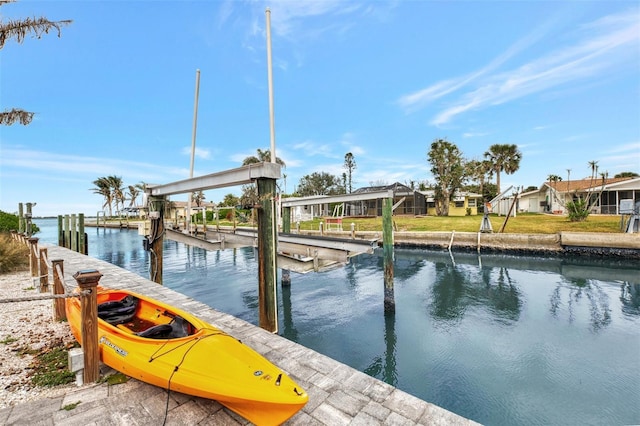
x,y
114,95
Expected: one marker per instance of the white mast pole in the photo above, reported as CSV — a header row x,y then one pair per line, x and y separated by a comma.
x,y
270,76
193,148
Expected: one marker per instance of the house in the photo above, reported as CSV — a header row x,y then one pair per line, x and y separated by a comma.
x,y
406,201
461,204
177,210
606,194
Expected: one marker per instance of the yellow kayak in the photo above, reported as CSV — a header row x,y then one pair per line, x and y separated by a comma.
x,y
168,347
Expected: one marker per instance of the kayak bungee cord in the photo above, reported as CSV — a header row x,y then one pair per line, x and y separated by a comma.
x,y
193,341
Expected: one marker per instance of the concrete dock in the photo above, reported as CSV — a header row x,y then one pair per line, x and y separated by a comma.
x,y
338,394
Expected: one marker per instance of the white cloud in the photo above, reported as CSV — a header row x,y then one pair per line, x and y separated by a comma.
x,y
607,43
199,152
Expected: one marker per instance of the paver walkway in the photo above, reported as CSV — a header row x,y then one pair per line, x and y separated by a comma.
x,y
338,394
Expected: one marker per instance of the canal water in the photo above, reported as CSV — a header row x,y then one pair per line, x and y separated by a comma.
x,y
502,340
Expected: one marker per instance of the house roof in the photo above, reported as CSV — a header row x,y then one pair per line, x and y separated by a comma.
x,y
582,184
398,188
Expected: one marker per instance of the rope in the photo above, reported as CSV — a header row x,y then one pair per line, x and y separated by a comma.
x,y
45,297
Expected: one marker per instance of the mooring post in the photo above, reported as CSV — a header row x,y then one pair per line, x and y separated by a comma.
x,y
33,256
387,246
28,216
156,237
67,232
20,218
74,233
44,271
60,232
88,281
267,247
82,242
59,313
286,227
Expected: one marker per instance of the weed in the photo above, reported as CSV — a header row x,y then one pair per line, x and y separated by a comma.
x,y
8,340
52,368
115,379
70,407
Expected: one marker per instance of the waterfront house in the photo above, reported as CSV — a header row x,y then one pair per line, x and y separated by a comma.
x,y
606,195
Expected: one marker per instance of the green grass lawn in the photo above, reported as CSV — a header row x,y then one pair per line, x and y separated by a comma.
x,y
526,223
523,223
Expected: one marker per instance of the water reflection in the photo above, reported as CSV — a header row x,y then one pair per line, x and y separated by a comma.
x,y
580,293
458,287
630,298
499,339
384,367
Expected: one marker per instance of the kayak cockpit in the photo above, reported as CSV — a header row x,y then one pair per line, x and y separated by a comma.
x,y
132,315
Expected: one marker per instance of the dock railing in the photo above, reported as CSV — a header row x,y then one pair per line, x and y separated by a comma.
x,y
41,268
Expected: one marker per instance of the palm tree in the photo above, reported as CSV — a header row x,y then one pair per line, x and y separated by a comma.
x,y
198,198
19,29
133,195
117,191
103,187
504,158
261,157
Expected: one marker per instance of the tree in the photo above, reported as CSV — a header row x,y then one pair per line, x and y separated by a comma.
x,y
350,166
230,200
133,194
479,171
117,191
626,174
321,183
554,178
249,197
448,170
103,187
504,158
19,29
198,197
261,157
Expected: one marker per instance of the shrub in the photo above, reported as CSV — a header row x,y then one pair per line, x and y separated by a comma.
x,y
9,222
14,256
578,210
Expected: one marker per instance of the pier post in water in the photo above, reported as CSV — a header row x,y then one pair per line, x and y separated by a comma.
x,y
387,247
88,280
156,215
267,247
286,228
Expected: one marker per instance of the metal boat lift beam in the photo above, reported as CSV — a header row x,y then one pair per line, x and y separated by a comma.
x,y
233,177
344,244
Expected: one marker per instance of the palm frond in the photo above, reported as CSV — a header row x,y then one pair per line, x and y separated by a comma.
x,y
7,118
19,29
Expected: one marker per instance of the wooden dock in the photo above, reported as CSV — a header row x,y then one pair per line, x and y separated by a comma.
x,y
338,394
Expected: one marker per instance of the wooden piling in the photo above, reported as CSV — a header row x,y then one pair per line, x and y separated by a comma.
x,y
20,218
74,233
156,215
82,242
60,232
44,271
267,248
387,246
88,280
286,227
59,313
